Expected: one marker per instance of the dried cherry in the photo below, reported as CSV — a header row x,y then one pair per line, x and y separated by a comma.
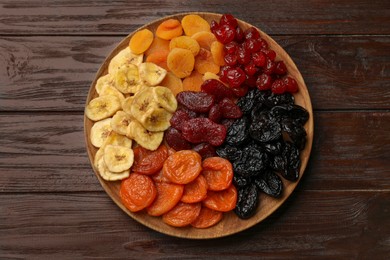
x,y
200,130
196,101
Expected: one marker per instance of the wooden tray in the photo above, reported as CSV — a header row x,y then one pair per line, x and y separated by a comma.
x,y
230,223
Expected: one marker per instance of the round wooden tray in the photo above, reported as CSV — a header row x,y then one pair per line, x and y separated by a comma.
x,y
230,223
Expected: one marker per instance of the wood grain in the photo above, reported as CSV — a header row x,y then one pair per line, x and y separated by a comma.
x,y
351,150
337,224
117,17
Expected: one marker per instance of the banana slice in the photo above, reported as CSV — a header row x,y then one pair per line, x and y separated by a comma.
x,y
148,140
117,139
108,175
118,158
120,121
100,131
98,156
102,107
127,79
125,56
151,74
165,98
141,102
156,118
112,91
126,104
106,80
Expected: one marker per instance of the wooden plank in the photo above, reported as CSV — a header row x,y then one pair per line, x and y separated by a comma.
x,y
336,224
350,151
54,73
275,17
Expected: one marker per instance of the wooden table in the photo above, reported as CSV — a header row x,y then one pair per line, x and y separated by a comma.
x,y
51,204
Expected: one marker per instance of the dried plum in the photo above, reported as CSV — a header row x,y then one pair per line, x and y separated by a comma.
x,y
273,148
247,102
240,181
228,152
247,201
252,161
291,156
279,99
295,131
238,132
299,114
265,129
270,183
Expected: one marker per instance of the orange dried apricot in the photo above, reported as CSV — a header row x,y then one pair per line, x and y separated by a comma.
x,y
158,45
193,82
193,23
218,173
181,62
141,41
218,53
224,200
168,195
173,83
183,166
207,218
169,29
185,42
205,39
182,214
204,62
195,191
149,162
159,58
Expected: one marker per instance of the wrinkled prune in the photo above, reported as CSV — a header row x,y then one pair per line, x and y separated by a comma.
x,y
247,201
238,132
205,150
273,148
228,152
252,161
247,102
196,101
279,99
270,183
295,131
240,181
265,129
278,163
175,139
178,119
203,130
229,109
291,156
299,114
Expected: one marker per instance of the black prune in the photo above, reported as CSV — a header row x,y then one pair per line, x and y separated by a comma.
x,y
240,181
273,148
228,152
252,161
299,114
278,163
247,201
265,129
247,102
238,132
295,131
270,183
291,156
279,99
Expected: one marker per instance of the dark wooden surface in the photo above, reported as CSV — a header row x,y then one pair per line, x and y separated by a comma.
x,y
51,204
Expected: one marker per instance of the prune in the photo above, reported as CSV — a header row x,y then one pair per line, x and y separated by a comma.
x,y
247,102
278,163
176,140
238,132
295,131
228,152
196,101
293,162
203,130
240,181
265,130
178,119
273,148
216,88
205,150
215,114
280,112
279,99
270,183
247,201
299,114
229,109
252,161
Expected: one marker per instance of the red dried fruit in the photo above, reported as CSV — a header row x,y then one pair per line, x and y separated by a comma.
x,y
252,33
291,85
270,53
178,118
229,109
225,33
216,88
215,114
230,59
196,101
269,66
205,150
203,130
278,87
230,47
239,35
251,81
213,26
243,56
264,82
190,113
229,20
259,58
280,68
176,140
264,44
235,77
252,45
250,69
241,91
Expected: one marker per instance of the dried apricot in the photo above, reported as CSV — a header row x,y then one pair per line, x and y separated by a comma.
x,y
169,29
224,200
141,41
218,53
149,162
173,83
182,214
193,82
195,191
159,177
218,173
185,42
181,62
159,58
168,195
207,218
183,166
158,45
193,23
204,39
137,192
204,62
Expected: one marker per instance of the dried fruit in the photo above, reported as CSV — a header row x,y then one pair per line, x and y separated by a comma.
x,y
196,101
200,130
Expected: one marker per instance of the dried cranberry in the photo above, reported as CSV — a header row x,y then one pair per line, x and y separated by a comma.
x,y
196,101
239,35
229,20
201,130
215,114
264,44
251,81
205,150
259,58
176,140
229,109
230,47
235,77
178,118
230,59
241,91
225,33
252,45
250,69
270,53
213,26
291,85
243,56
269,66
264,82
251,33
278,87
216,88
280,68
